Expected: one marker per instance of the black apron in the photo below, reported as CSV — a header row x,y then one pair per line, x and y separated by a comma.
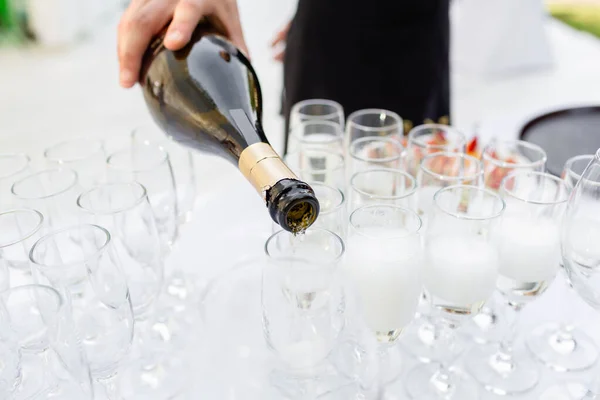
x,y
391,54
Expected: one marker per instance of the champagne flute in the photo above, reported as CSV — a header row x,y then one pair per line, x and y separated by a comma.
x,y
384,265
528,242
316,110
431,138
39,318
373,122
580,252
20,229
460,273
382,186
13,167
375,153
90,275
500,158
82,154
315,134
562,346
317,165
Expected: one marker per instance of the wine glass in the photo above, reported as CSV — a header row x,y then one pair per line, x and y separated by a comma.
x,y
373,122
20,229
431,138
382,186
562,346
303,305
315,134
316,110
13,167
182,161
460,272
150,165
315,165
384,266
375,153
500,158
82,154
442,169
580,253
528,242
39,318
52,192
332,213
81,263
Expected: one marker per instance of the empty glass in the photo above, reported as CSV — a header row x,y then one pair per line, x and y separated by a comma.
x,y
382,186
431,138
316,110
384,266
562,346
39,318
375,153
84,155
580,251
81,263
322,135
53,192
149,164
314,165
373,122
528,242
182,161
13,167
303,306
460,272
442,169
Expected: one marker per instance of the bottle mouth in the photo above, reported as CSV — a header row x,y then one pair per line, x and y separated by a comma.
x,y
294,205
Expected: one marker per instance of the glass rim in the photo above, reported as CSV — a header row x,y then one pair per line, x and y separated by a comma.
x,y
72,172
389,206
37,286
354,155
451,154
545,175
397,120
30,233
280,232
505,164
568,165
333,189
311,102
48,236
471,188
138,200
412,139
339,157
163,160
99,146
412,190
337,137
25,157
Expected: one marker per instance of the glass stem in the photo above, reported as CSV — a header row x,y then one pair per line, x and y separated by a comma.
x,y
50,378
503,360
111,387
443,379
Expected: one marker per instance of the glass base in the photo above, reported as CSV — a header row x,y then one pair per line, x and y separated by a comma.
x,y
354,392
486,327
311,384
163,379
500,373
563,349
567,391
427,382
420,341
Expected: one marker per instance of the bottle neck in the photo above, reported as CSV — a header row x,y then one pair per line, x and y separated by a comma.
x,y
263,167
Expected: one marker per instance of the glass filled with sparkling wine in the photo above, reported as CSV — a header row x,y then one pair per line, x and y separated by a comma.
x,y
528,243
460,270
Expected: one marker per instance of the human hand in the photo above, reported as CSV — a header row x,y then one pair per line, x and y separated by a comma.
x,y
278,42
145,18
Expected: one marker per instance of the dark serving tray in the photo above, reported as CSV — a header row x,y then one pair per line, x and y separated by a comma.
x,y
564,134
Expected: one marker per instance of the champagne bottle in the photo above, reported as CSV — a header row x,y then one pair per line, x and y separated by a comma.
x,y
206,96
